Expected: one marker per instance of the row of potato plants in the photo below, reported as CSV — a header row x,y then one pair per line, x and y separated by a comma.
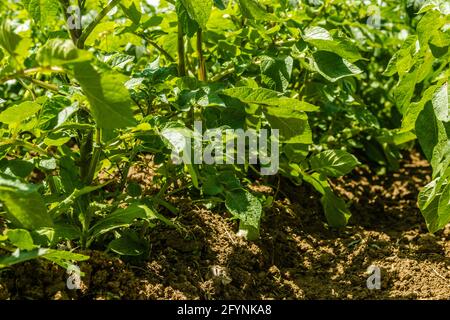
x,y
89,87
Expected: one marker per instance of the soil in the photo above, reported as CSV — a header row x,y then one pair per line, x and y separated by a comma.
x,y
297,256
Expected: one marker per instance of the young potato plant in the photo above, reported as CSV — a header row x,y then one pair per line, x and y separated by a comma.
x,y
87,88
422,96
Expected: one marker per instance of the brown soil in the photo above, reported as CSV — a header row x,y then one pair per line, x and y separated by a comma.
x,y
298,257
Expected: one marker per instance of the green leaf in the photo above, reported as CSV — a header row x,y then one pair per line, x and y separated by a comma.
x,y
134,189
443,212
251,9
63,205
109,99
176,137
19,112
276,72
25,206
188,25
220,4
47,164
66,231
21,256
316,33
440,103
333,163
296,152
15,44
251,95
247,208
129,244
323,40
413,110
283,113
51,236
402,61
211,185
440,160
59,52
268,97
427,5
62,258
16,167
193,173
404,90
43,12
132,9
106,37
429,23
198,10
293,125
335,209
332,67
229,180
125,247
403,137
439,43
56,139
430,131
21,239
434,210
123,218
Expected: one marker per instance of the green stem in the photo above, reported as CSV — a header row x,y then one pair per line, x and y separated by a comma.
x,y
95,158
92,154
85,34
27,145
31,71
51,184
181,52
156,46
166,205
164,187
74,33
85,155
28,88
124,175
201,58
222,74
44,85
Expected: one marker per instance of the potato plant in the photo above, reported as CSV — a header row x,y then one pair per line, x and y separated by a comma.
x,y
87,88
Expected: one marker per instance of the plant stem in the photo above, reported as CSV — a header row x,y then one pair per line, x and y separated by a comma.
x,y
164,187
222,74
73,32
95,158
89,157
85,155
124,174
201,58
189,67
156,46
24,74
29,88
44,84
27,145
181,53
85,34
31,71
166,205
